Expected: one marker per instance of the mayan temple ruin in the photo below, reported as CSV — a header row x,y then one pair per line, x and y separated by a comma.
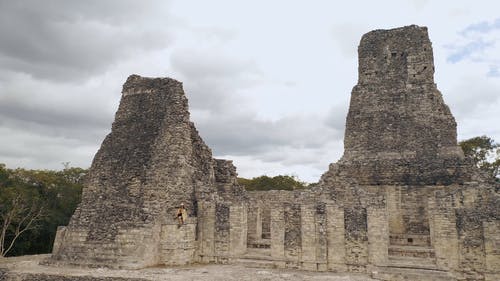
x,y
402,203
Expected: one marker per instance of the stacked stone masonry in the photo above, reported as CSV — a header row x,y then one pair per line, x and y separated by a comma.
x,y
402,202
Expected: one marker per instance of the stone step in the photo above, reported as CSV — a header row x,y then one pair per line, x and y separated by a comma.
x,y
255,263
411,251
410,274
266,235
258,253
256,257
260,243
410,239
412,262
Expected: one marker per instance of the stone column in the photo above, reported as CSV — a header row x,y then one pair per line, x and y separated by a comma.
x,y
308,234
222,232
177,244
278,234
258,224
206,231
378,236
491,249
238,233
444,236
393,197
322,238
336,239
61,231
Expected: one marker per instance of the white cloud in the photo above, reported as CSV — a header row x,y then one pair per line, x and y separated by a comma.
x,y
478,43
268,82
59,40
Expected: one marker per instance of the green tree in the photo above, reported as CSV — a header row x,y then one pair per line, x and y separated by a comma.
x,y
281,182
57,193
485,154
20,211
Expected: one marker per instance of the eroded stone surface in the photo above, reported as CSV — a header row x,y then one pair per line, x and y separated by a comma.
x,y
152,161
398,129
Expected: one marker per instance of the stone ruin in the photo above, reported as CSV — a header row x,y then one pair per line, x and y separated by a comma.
x,y
401,204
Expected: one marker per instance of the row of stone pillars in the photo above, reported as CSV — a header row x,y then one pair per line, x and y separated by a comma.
x,y
326,242
323,243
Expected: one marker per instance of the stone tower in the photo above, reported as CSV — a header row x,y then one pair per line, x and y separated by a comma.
x,y
398,129
152,161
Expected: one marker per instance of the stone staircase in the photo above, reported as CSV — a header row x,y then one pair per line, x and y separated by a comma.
x,y
411,251
259,244
411,257
411,274
256,258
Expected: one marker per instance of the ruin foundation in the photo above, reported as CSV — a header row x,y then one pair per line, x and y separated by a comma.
x,y
402,202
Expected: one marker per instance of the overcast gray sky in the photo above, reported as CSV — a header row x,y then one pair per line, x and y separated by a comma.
x,y
268,82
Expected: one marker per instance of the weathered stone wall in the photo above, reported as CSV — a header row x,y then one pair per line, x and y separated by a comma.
x,y
477,210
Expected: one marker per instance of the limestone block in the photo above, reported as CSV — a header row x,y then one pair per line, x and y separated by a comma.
x,y
308,234
355,221
444,237
277,232
394,202
206,232
238,229
336,240
378,236
222,231
60,233
491,232
293,230
177,246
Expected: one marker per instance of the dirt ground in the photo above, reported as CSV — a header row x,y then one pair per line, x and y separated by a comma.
x,y
29,265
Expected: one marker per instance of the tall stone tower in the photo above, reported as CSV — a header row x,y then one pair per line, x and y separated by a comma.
x,y
152,161
398,129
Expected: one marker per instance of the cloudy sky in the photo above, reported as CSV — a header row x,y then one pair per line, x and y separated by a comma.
x,y
268,82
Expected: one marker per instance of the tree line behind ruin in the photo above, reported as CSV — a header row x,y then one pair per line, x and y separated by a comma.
x,y
32,204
